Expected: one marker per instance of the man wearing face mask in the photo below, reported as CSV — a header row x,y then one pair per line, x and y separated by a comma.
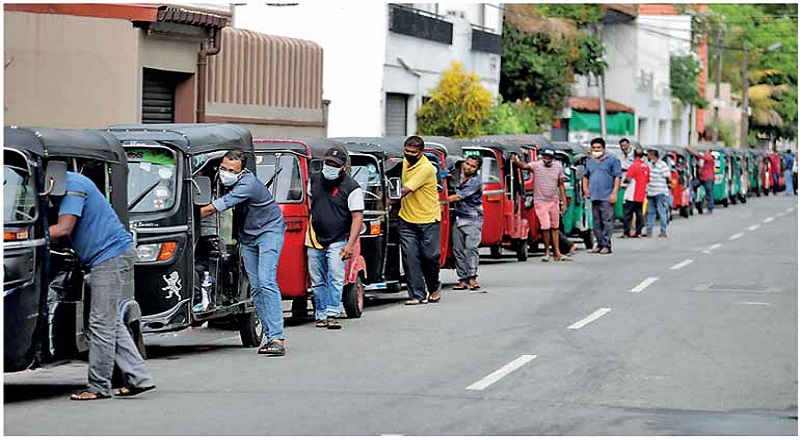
x,y
261,235
337,213
602,177
419,224
468,224
548,191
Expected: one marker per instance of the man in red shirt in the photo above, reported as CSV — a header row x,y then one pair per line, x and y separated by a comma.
x,y
706,175
637,177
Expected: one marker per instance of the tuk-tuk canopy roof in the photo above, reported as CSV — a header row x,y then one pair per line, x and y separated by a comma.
x,y
44,141
386,147
316,146
567,147
520,140
189,138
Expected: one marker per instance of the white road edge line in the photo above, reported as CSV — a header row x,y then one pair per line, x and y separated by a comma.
x,y
769,219
644,284
682,264
597,314
502,372
779,214
755,303
754,227
736,236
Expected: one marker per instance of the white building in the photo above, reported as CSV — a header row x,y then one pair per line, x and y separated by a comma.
x,y
638,56
381,60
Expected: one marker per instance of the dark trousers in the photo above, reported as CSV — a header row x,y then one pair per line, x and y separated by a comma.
x,y
776,177
421,250
603,213
631,208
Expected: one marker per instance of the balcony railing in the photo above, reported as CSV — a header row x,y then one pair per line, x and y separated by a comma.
x,y
483,41
419,24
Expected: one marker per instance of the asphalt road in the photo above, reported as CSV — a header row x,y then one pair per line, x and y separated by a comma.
x,y
691,335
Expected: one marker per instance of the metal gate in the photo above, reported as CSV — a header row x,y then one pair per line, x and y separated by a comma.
x,y
396,114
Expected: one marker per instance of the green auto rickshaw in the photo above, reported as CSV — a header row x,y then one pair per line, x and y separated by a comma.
x,y
754,170
575,222
722,179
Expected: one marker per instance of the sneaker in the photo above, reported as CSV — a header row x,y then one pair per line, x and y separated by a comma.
x,y
663,235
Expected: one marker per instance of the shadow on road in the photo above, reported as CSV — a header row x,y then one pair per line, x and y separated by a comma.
x,y
24,392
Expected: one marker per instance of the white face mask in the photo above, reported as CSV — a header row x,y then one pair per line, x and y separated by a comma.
x,y
228,178
330,173
598,154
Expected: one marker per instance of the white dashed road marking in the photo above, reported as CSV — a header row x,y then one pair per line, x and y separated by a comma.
x,y
644,284
597,314
769,219
502,372
682,264
715,246
736,236
755,303
754,227
790,210
780,214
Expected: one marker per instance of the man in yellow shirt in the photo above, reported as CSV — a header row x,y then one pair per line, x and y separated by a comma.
x,y
419,224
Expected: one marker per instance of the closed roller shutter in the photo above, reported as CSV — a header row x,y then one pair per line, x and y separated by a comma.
x,y
396,114
158,97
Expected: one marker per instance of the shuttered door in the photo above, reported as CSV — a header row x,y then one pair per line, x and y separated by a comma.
x,y
396,114
158,97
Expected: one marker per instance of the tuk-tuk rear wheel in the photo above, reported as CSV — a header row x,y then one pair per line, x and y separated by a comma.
x,y
494,251
521,248
250,330
353,298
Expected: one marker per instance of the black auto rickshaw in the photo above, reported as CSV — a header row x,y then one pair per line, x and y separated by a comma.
x,y
46,291
189,270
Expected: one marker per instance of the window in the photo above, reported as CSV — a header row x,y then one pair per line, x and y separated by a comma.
x,y
19,192
281,171
152,179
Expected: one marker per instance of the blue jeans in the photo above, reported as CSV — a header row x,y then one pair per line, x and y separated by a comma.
x,y
657,202
787,177
709,186
326,270
261,263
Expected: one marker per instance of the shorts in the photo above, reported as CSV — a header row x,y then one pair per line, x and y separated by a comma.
x,y
548,214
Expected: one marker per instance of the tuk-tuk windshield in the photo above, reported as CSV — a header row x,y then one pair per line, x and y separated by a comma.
x,y
19,192
490,170
281,171
151,179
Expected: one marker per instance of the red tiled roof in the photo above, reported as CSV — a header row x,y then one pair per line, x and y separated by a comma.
x,y
593,105
134,12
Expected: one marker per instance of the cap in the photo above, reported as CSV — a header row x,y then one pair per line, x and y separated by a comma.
x,y
548,152
337,155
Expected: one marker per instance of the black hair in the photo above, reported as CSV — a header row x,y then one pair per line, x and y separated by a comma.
x,y
638,153
476,159
414,141
789,151
235,155
654,153
624,140
600,141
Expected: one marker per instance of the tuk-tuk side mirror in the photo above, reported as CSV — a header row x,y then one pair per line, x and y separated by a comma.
x,y
55,180
395,188
202,187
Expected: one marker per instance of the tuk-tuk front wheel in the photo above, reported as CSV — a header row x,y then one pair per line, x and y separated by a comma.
x,y
684,211
250,330
353,298
724,202
521,248
588,240
494,251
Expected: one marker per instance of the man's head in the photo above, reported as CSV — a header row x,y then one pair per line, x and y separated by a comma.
x,y
230,170
334,162
547,156
598,146
471,165
638,153
789,151
625,145
653,155
412,149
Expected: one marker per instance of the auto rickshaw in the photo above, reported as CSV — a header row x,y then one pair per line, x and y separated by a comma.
x,y
285,166
504,223
755,171
698,191
575,219
189,270
680,180
738,181
722,184
46,293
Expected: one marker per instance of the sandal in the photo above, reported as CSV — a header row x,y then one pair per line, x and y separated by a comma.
x,y
605,251
475,287
333,324
460,286
415,301
545,259
320,324
132,391
564,258
274,348
88,395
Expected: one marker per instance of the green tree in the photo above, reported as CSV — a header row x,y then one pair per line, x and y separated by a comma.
x,y
520,117
459,106
683,73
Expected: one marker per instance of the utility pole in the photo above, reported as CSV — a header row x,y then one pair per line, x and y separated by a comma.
x,y
717,81
745,101
602,84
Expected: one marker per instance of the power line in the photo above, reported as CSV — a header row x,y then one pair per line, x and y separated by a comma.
x,y
739,49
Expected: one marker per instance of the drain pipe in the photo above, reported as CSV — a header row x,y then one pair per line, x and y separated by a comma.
x,y
208,47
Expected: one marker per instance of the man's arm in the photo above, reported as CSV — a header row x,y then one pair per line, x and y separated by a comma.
x,y
563,191
417,181
355,202
238,194
585,183
64,227
207,210
519,164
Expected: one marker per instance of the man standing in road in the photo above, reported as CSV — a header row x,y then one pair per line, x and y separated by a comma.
x,y
706,175
602,177
261,240
104,247
468,224
775,161
419,224
337,213
657,191
637,177
548,191
627,157
788,164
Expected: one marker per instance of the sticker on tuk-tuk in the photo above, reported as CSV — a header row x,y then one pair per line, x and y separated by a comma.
x,y
165,173
162,192
158,203
151,156
468,153
259,159
145,166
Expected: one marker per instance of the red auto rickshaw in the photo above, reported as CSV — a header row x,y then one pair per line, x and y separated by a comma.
x,y
285,166
504,223
679,180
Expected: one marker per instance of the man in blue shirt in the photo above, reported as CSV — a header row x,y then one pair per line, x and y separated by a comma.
x,y
105,248
261,241
787,172
602,177
468,225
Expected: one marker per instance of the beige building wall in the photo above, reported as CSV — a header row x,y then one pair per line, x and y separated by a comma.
x,y
69,71
730,113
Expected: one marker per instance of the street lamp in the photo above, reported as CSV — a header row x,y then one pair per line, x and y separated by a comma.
x,y
746,85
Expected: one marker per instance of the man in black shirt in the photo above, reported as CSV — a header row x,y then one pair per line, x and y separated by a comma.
x,y
337,213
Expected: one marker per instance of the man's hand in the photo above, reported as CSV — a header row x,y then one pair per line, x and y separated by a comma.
x,y
613,199
346,253
563,208
453,198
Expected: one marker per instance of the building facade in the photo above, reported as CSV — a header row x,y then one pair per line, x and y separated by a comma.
x,y
381,60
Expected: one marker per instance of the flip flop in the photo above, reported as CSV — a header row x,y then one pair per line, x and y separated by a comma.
x,y
475,287
460,287
545,259
321,324
333,324
564,258
274,348
414,302
84,395
132,391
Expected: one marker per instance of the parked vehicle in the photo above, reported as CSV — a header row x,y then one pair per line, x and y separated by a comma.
x,y
698,190
46,293
755,171
181,259
285,166
680,180
738,181
504,223
722,183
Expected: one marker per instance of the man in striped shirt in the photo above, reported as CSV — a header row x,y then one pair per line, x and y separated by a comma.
x,y
657,191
